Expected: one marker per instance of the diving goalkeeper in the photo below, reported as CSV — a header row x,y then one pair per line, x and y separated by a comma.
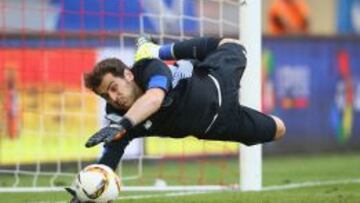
x,y
197,95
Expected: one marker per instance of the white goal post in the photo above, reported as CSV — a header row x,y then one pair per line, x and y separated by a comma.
x,y
251,157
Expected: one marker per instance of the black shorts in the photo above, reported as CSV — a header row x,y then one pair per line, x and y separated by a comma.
x,y
235,122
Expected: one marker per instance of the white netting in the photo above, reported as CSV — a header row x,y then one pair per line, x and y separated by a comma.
x,y
47,114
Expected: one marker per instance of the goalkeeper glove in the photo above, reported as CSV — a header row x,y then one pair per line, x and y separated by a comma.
x,y
115,131
106,135
146,49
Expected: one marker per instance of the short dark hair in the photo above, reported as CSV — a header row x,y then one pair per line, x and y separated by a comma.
x,y
111,65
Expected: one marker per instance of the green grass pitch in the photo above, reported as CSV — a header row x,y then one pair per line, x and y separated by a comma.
x,y
337,177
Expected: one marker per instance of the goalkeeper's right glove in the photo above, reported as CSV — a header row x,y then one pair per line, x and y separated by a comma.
x,y
115,131
146,49
106,135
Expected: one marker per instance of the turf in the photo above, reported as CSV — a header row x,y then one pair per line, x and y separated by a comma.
x,y
276,171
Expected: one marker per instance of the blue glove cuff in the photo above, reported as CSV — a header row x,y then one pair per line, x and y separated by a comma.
x,y
166,52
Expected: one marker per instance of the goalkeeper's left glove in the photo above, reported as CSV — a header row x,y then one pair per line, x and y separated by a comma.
x,y
146,49
115,131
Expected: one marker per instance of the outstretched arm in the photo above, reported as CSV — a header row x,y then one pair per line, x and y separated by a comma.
x,y
143,108
113,152
198,48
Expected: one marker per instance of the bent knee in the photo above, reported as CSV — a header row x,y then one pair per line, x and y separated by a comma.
x,y
280,128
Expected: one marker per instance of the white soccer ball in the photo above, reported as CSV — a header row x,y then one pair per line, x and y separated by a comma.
x,y
97,183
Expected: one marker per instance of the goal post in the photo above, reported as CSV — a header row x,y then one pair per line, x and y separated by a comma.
x,y
251,157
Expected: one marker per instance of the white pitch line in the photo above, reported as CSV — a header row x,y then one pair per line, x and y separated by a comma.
x,y
268,188
172,194
309,184
48,202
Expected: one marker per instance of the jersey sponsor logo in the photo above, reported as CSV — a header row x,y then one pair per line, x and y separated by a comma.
x,y
147,124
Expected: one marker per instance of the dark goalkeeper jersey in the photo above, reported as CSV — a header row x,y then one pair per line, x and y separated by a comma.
x,y
191,100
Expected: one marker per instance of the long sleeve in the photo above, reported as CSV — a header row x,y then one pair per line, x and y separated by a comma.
x,y
197,48
114,151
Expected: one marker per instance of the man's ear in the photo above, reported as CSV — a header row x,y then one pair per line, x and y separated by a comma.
x,y
128,75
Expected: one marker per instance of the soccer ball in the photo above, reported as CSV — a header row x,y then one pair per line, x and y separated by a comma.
x,y
97,183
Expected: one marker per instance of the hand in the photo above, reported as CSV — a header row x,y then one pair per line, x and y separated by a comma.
x,y
146,49
106,135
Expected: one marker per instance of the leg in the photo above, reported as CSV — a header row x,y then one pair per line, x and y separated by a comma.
x,y
246,125
227,63
254,127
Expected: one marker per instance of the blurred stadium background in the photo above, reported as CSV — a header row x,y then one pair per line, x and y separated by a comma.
x,y
311,79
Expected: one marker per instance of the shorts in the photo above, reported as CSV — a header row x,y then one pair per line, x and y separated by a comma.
x,y
235,122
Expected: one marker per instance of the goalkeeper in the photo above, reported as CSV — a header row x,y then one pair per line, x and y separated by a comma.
x,y
197,95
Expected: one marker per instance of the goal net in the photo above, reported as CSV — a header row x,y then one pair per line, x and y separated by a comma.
x,y
47,114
